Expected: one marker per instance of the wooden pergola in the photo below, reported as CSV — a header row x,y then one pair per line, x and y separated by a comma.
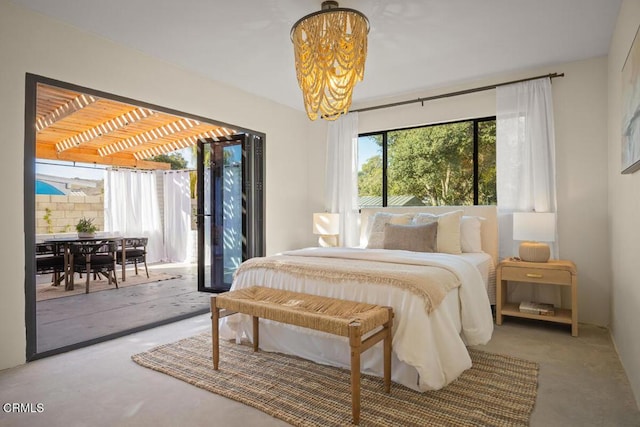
x,y
78,127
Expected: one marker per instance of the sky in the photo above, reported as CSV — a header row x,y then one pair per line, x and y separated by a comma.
x,y
367,148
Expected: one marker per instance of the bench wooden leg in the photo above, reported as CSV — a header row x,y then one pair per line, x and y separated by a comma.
x,y
355,340
215,334
256,333
387,352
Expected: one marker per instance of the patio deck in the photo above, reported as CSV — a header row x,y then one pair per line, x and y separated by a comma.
x,y
77,318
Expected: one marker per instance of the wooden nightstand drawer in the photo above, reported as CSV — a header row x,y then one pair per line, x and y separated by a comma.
x,y
554,272
536,275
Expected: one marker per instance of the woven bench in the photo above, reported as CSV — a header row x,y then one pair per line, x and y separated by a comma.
x,y
339,317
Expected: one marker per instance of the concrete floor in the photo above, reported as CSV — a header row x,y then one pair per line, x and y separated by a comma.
x,y
78,318
581,383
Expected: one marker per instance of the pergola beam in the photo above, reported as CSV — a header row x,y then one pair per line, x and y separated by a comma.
x,y
64,110
104,128
91,157
148,136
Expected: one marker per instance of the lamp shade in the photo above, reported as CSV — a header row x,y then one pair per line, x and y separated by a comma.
x,y
534,226
326,224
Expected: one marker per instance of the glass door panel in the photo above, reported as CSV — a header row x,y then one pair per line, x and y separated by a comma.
x,y
229,174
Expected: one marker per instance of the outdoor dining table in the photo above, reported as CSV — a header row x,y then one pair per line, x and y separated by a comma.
x,y
63,244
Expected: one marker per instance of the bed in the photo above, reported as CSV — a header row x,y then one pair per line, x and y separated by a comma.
x,y
442,301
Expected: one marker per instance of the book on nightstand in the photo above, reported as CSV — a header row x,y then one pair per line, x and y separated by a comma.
x,y
537,308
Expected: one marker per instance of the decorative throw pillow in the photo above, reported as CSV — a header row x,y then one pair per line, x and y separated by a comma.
x,y
416,238
470,236
448,239
375,228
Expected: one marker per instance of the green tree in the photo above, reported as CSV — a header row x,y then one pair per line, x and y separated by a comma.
x,y
174,159
434,164
370,174
370,177
487,163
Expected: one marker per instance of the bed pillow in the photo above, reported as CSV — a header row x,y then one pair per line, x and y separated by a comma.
x,y
416,238
448,238
375,228
470,236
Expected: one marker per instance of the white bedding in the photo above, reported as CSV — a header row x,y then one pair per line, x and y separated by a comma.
x,y
486,267
428,349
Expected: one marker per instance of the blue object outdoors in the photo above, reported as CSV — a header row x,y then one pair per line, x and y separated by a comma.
x,y
47,189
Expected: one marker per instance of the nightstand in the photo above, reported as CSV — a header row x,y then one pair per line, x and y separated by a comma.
x,y
554,272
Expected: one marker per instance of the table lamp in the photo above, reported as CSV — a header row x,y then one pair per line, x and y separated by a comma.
x,y
534,229
327,226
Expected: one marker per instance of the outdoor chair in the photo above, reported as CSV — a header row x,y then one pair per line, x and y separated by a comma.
x,y
49,260
135,251
94,257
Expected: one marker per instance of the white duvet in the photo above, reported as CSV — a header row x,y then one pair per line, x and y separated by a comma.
x,y
429,350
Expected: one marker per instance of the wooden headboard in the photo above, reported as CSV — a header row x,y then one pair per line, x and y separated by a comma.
x,y
489,230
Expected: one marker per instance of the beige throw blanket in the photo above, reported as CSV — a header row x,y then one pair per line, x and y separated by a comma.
x,y
428,282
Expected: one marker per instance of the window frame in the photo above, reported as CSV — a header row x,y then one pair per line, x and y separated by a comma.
x,y
384,133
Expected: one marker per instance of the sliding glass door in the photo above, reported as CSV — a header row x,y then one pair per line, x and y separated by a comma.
x,y
230,207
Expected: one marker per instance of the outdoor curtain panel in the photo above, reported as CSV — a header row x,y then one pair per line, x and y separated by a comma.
x,y
177,215
131,208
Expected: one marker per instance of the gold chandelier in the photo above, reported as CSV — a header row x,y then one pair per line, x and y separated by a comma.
x,y
330,51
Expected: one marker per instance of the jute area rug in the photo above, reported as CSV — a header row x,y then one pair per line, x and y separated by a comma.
x,y
497,391
46,291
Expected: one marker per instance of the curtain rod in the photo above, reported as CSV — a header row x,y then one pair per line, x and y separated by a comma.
x,y
94,167
450,94
178,170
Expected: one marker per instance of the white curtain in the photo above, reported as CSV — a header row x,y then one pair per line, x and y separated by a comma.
x,y
131,208
177,215
525,164
342,176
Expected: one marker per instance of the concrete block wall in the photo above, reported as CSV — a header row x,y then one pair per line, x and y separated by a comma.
x,y
64,212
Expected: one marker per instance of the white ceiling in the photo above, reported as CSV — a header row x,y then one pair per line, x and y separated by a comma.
x,y
413,44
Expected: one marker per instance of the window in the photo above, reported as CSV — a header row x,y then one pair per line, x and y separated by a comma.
x,y
444,164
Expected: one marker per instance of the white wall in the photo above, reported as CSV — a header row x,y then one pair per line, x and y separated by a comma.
x,y
624,210
32,43
580,121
